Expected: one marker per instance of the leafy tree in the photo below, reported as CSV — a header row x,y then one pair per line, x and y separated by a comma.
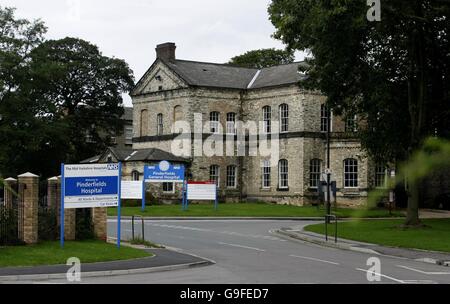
x,y
394,73
263,58
75,85
18,124
54,95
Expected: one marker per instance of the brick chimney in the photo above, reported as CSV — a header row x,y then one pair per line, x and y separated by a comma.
x,y
166,51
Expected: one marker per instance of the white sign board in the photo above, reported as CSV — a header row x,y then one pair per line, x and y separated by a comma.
x,y
91,185
131,190
202,191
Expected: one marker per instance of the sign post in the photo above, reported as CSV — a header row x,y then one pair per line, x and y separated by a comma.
x,y
90,186
202,191
164,172
61,220
119,207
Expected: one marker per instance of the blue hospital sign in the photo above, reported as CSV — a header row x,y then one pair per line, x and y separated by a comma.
x,y
164,172
91,186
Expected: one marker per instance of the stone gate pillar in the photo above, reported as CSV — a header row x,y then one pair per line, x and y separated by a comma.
x,y
100,219
30,198
69,224
52,185
8,193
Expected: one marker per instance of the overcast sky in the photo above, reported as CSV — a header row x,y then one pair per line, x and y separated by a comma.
x,y
204,30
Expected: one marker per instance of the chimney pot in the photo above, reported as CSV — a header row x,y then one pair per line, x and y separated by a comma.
x,y
166,51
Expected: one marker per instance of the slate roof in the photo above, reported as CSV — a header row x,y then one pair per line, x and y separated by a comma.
x,y
212,75
204,74
278,75
134,155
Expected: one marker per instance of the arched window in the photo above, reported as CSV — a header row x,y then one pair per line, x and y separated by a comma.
x,y
214,122
350,173
283,174
177,113
143,128
231,177
284,118
267,117
314,173
214,174
159,124
135,175
231,123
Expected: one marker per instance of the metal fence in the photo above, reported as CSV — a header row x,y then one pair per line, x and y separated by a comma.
x,y
12,221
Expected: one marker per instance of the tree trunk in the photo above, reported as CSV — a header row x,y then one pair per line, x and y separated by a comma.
x,y
412,215
417,86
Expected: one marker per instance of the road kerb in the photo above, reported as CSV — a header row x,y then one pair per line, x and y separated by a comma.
x,y
301,237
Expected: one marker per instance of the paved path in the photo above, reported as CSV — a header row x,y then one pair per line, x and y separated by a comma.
x,y
246,252
162,258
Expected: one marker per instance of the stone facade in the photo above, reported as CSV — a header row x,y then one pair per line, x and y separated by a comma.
x,y
164,92
29,194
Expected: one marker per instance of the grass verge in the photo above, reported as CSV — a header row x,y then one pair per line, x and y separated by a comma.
x,y
50,253
249,210
140,241
435,236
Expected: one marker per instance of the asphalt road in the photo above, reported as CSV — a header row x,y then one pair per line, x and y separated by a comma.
x,y
247,252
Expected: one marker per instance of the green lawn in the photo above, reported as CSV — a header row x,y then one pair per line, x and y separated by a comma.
x,y
247,210
50,253
387,232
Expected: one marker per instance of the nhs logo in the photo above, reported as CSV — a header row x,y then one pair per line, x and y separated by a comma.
x,y
113,166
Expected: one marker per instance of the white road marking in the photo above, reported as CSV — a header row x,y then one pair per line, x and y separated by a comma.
x,y
423,272
419,282
266,237
241,246
313,259
382,275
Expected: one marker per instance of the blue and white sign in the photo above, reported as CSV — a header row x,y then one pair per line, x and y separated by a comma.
x,y
164,172
91,186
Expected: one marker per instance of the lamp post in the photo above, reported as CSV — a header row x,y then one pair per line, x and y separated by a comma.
x,y
328,164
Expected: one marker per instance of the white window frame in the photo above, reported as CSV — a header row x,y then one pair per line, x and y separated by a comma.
x,y
284,118
324,119
378,174
283,164
266,175
214,122
267,119
170,191
232,177
354,124
215,176
314,175
231,123
350,182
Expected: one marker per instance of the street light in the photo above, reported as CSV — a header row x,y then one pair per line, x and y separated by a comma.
x,y
328,171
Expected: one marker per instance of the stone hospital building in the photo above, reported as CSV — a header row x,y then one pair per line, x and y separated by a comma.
x,y
174,90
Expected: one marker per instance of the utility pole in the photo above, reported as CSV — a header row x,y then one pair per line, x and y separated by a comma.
x,y
328,165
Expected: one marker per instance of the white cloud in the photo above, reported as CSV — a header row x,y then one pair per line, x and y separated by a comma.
x,y
204,30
